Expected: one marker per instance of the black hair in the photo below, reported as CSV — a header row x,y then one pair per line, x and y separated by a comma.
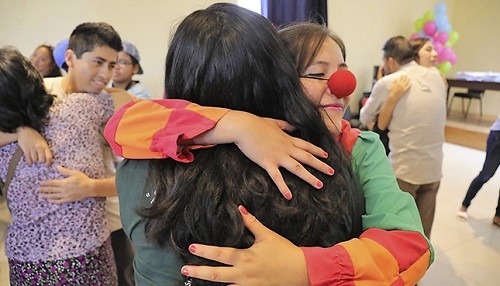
x,y
87,36
23,98
227,56
398,48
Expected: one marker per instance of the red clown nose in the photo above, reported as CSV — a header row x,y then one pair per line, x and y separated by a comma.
x,y
342,83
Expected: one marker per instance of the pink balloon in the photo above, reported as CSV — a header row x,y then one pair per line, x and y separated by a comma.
x,y
441,37
430,28
445,54
414,36
452,57
438,47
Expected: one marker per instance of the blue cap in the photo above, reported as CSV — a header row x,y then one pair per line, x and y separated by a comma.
x,y
132,51
59,51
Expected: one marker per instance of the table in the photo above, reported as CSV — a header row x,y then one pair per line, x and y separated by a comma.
x,y
474,84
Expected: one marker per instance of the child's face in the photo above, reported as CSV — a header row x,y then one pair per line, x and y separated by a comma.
x,y
93,70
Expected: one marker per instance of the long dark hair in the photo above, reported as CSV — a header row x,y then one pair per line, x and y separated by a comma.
x,y
23,99
227,56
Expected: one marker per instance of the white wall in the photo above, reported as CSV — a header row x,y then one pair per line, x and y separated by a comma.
x,y
146,23
364,25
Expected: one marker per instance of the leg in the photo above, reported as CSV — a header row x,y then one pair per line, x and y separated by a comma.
x,y
491,163
124,257
426,203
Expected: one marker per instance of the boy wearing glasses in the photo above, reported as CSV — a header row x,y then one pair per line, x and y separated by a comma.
x,y
127,65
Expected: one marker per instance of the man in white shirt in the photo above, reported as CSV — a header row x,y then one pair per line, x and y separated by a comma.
x,y
416,129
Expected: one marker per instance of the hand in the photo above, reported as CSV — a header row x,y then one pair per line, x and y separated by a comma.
x,y
34,146
271,260
399,87
264,142
70,189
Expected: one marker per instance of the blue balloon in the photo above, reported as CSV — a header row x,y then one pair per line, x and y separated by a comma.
x,y
447,28
441,22
440,9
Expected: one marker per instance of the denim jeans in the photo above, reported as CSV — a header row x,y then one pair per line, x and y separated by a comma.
x,y
490,166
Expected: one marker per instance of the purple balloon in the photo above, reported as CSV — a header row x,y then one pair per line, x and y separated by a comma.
x,y
430,28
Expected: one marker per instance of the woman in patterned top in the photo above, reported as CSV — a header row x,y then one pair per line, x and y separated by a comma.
x,y
53,244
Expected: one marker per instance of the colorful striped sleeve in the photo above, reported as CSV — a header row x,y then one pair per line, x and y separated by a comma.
x,y
152,129
392,249
378,257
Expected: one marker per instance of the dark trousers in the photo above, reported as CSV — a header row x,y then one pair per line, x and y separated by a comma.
x,y
124,257
425,198
490,166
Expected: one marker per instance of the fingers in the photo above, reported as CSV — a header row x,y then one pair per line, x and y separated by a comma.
x,y
215,274
65,171
283,125
259,230
278,180
54,198
310,148
49,159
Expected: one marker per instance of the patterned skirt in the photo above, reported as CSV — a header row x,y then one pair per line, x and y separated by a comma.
x,y
94,268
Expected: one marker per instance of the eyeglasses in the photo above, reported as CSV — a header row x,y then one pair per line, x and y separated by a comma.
x,y
313,77
124,62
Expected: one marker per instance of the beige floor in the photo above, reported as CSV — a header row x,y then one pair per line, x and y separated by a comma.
x,y
467,253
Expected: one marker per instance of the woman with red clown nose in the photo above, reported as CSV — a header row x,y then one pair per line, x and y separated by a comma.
x,y
392,250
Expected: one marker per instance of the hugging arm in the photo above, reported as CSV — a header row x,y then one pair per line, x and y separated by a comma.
x,y
170,128
392,250
33,144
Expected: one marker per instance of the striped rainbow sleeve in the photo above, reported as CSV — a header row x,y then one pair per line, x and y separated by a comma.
x,y
151,129
378,257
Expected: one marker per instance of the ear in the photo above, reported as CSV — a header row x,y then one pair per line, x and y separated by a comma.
x,y
69,57
136,69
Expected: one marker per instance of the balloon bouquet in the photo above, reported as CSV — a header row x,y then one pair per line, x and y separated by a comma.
x,y
435,26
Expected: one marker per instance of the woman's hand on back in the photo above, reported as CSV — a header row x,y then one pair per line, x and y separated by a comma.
x,y
265,142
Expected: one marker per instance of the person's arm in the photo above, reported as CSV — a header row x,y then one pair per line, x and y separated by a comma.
x,y
149,129
371,109
391,250
398,89
33,144
392,227
76,186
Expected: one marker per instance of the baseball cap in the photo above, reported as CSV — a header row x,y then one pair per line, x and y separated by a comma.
x,y
132,51
58,53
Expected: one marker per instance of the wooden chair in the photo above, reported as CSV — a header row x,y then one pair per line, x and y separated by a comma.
x,y
469,95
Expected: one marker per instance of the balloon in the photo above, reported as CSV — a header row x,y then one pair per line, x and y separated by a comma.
x,y
438,47
441,37
419,24
414,36
428,16
441,22
444,55
444,67
452,57
447,28
440,8
430,28
453,38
